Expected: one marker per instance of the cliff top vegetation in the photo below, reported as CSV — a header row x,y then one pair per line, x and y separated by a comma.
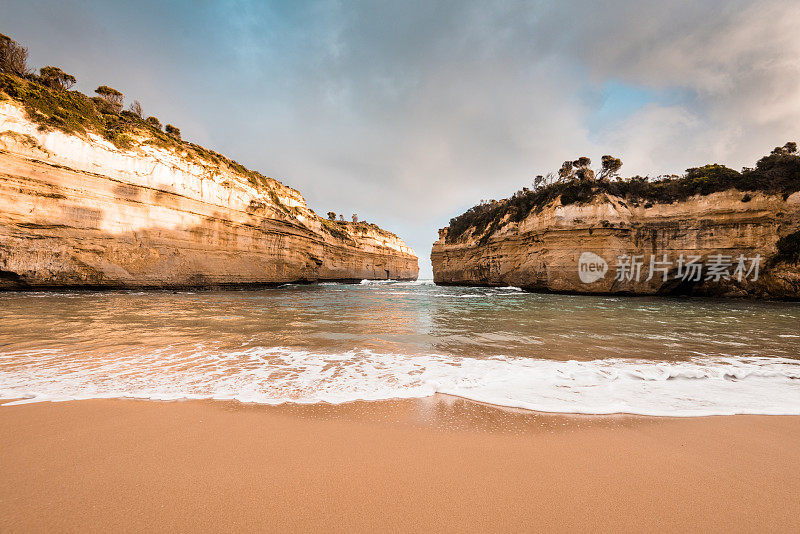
x,y
50,103
345,229
576,183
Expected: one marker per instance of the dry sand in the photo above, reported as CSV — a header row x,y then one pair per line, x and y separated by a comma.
x,y
439,464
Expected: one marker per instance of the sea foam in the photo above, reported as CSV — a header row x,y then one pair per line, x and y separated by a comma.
x,y
699,387
422,282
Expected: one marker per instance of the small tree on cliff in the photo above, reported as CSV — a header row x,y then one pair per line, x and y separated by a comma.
x,y
610,167
174,131
136,108
355,218
13,57
341,217
583,170
579,168
331,216
565,172
56,78
153,121
788,149
111,96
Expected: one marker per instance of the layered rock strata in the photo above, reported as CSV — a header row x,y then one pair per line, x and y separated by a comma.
x,y
608,246
78,211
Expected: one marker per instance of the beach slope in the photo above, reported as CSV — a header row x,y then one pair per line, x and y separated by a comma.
x,y
438,464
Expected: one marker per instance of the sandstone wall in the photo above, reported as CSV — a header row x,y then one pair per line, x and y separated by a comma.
x,y
543,252
79,212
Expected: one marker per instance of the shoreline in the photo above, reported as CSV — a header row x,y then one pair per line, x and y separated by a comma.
x,y
244,286
435,397
443,463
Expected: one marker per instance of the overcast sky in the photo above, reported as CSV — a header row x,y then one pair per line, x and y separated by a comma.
x,y
409,112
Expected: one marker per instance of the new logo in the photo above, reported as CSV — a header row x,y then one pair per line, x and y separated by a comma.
x,y
591,267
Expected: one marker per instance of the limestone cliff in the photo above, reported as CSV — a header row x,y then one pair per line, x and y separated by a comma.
x,y
607,235
77,210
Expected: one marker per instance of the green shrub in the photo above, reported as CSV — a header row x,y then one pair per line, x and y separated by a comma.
x,y
112,96
335,229
777,174
154,122
174,131
56,78
69,111
789,248
75,113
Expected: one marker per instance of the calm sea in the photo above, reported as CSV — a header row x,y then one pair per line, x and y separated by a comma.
x,y
336,343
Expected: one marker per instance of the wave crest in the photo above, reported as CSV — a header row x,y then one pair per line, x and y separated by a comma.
x,y
707,386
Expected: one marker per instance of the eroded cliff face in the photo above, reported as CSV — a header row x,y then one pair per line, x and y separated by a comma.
x,y
607,246
76,211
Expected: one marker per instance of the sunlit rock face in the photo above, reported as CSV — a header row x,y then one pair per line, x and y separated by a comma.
x,y
80,212
599,247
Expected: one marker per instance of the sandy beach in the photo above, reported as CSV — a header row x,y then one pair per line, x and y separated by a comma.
x,y
414,267
441,464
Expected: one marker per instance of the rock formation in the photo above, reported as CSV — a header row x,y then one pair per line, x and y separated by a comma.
x,y
77,210
610,245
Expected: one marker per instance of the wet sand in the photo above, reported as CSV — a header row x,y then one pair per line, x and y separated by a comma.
x,y
439,464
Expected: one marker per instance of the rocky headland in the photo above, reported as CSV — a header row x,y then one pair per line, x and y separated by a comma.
x,y
713,232
93,196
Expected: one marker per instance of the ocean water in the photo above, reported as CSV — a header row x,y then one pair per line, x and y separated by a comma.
x,y
336,343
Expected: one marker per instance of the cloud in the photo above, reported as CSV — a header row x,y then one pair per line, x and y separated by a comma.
x,y
407,113
737,63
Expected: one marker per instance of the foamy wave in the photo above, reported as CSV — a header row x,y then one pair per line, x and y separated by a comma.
x,y
398,282
719,386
